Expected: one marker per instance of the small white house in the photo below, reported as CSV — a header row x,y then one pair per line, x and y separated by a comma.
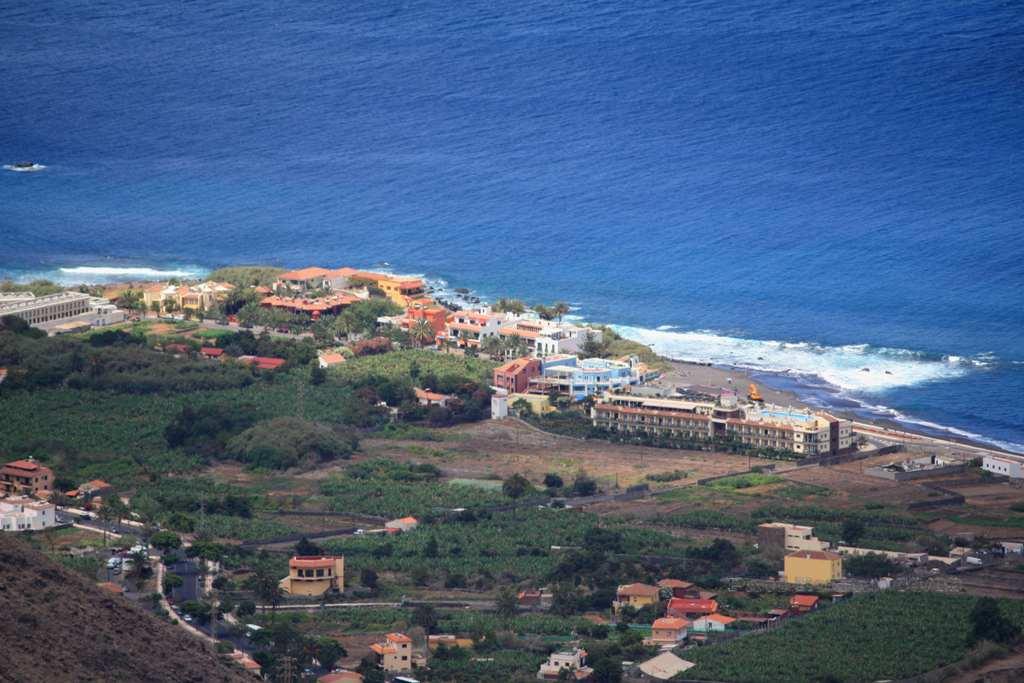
x,y
1011,466
26,514
499,404
711,623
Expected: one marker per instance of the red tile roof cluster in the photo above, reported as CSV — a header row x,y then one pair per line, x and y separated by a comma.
x,y
322,304
211,351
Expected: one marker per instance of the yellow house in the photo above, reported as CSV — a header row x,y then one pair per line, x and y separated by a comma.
x,y
635,595
314,575
813,567
394,655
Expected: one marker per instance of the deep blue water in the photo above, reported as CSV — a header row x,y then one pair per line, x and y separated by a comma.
x,y
834,173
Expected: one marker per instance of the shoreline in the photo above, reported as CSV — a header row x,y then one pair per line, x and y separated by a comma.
x,y
718,376
683,371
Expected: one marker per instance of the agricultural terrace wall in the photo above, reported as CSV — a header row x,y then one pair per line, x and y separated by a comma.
x,y
827,460
892,475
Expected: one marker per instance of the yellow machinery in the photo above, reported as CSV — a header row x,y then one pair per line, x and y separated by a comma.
x,y
753,394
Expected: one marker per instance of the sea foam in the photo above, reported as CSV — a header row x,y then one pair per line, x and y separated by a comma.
x,y
857,368
112,273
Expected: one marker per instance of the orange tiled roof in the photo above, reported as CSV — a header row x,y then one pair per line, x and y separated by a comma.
x,y
429,395
719,618
382,649
674,583
638,589
674,623
693,605
804,600
304,562
28,465
398,638
304,273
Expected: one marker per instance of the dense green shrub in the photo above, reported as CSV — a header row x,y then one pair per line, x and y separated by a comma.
x,y
285,442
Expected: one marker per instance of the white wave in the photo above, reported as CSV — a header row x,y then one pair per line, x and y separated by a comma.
x,y
127,272
856,368
666,328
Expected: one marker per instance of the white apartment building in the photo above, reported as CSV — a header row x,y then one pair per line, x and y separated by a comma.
x,y
45,311
26,514
758,426
1011,466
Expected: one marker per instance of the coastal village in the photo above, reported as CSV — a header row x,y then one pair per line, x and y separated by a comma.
x,y
356,478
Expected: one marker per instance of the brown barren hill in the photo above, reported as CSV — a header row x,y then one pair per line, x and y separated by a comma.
x,y
55,625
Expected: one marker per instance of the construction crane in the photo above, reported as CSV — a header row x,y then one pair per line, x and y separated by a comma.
x,y
753,394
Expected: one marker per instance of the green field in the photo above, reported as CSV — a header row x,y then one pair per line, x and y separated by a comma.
x,y
886,635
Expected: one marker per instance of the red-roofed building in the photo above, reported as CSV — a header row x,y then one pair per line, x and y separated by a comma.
x,y
803,603
262,362
635,595
329,359
469,328
402,524
436,316
25,477
314,308
394,655
94,488
211,352
431,398
691,608
712,623
668,631
514,376
304,279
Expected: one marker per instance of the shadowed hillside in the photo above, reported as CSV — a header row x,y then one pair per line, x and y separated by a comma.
x,y
57,626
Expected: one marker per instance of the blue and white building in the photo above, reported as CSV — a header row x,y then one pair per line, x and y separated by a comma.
x,y
577,379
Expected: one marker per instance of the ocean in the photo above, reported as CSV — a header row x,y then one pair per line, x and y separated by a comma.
x,y
810,188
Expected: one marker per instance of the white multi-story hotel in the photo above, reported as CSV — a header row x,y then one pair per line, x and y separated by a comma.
x,y
46,311
26,514
758,426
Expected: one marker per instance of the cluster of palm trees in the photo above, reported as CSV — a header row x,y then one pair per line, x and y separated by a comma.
x,y
508,347
556,310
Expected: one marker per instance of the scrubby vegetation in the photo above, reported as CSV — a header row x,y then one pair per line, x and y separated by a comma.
x,y
284,442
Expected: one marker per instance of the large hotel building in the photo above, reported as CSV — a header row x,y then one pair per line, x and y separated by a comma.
x,y
810,434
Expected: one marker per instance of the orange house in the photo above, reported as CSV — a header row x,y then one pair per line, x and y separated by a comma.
x,y
668,631
437,316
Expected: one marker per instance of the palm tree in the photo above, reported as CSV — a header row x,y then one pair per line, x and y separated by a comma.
x,y
421,332
559,309
492,346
